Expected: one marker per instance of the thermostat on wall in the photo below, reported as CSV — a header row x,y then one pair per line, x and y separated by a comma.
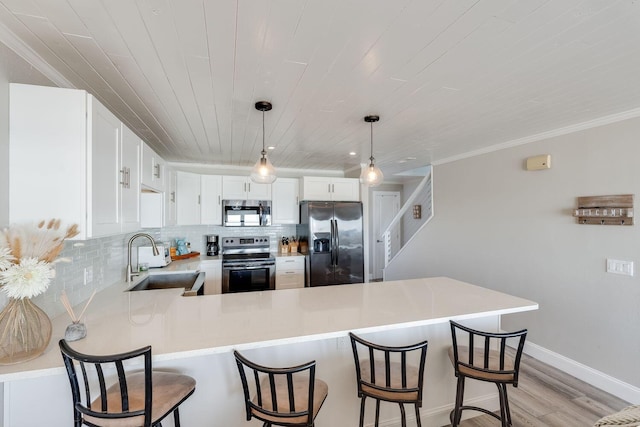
x,y
537,163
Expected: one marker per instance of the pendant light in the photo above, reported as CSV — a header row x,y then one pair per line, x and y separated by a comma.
x,y
263,171
371,175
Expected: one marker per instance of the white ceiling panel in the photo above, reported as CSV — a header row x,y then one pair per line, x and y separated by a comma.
x,y
446,77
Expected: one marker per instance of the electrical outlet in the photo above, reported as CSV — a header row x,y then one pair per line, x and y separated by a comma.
x,y
88,275
620,267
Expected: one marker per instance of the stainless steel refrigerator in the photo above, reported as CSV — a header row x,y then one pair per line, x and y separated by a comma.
x,y
333,231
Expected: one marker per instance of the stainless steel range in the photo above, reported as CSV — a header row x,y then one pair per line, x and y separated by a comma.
x,y
247,264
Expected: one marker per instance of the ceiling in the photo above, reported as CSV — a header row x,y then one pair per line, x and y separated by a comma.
x,y
446,76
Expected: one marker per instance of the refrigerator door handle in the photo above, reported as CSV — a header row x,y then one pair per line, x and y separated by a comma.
x,y
332,245
337,240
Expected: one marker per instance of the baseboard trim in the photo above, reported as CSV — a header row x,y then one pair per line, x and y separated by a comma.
x,y
439,416
589,375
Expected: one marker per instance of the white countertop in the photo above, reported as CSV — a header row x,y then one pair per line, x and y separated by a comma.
x,y
179,327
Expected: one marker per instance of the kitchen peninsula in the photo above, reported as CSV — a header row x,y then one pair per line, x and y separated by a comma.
x,y
196,334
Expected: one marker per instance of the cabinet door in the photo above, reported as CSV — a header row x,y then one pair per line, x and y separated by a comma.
x,y
234,187
146,170
212,276
258,191
130,173
170,197
316,188
106,176
47,155
160,168
289,272
187,198
152,174
284,205
211,200
345,189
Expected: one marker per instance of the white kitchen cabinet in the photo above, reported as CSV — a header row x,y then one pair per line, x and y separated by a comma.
x,y
211,199
130,193
152,212
187,198
71,158
242,188
212,276
153,169
289,272
284,201
198,199
170,213
336,189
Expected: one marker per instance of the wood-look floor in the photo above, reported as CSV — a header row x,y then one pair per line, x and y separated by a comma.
x,y
546,397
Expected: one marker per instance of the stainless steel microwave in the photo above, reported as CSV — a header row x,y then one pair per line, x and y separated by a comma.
x,y
246,213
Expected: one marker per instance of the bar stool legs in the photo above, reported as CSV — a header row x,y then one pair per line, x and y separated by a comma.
x,y
482,356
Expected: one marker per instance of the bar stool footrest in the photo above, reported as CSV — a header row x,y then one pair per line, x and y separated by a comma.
x,y
474,408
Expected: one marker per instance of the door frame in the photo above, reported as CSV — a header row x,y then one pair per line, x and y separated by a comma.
x,y
374,259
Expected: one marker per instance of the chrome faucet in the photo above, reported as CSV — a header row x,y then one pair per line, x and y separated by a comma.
x,y
130,273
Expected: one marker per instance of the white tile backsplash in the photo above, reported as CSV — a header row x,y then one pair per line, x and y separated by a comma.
x,y
107,257
195,234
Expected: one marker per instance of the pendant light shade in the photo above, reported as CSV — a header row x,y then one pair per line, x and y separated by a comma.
x,y
263,171
371,175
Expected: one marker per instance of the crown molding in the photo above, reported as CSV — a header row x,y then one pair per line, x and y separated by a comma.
x,y
606,120
25,52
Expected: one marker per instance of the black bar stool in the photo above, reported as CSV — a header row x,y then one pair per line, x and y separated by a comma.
x,y
142,398
386,375
281,396
489,362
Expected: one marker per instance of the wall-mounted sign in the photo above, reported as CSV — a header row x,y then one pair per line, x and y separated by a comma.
x,y
605,210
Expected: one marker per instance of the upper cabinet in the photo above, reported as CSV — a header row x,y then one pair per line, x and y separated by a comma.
x,y
187,198
337,189
198,199
71,158
242,188
170,204
153,169
284,206
211,199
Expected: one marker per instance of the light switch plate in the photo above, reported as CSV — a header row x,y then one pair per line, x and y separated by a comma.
x,y
620,267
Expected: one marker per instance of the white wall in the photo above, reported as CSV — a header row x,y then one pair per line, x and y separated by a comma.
x,y
499,226
13,69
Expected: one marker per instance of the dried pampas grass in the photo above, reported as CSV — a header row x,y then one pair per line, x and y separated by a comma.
x,y
26,255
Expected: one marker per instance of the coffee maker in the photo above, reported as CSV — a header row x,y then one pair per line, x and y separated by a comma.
x,y
212,244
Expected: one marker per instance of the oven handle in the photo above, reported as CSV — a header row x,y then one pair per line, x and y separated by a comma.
x,y
243,267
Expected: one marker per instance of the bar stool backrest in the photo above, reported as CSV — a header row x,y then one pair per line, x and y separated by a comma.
x,y
98,374
264,394
379,375
490,359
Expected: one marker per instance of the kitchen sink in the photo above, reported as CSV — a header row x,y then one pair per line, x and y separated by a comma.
x,y
192,283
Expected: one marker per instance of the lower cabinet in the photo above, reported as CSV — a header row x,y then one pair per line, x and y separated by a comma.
x,y
289,272
212,276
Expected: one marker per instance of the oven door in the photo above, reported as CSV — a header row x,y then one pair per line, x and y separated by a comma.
x,y
248,277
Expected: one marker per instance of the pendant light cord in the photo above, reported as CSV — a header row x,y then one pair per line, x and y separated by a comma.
x,y
264,153
371,158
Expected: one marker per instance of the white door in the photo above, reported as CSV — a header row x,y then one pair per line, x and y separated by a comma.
x,y
386,204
